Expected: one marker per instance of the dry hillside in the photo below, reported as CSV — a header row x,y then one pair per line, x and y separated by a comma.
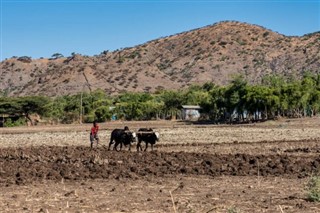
x,y
212,53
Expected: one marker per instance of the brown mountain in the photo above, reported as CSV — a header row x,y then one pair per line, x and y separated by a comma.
x,y
213,53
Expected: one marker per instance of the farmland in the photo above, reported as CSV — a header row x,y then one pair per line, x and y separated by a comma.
x,y
262,167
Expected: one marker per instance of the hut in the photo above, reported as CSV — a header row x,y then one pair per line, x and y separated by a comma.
x,y
190,112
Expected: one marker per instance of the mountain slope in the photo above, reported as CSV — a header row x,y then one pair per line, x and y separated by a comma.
x,y
213,53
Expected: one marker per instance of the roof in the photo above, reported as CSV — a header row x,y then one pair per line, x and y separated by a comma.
x,y
191,107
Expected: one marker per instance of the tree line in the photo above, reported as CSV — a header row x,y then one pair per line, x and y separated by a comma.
x,y
239,101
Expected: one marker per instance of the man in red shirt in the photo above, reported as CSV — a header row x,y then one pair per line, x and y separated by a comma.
x,y
94,134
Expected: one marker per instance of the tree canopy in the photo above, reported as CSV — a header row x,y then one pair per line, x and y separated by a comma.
x,y
239,101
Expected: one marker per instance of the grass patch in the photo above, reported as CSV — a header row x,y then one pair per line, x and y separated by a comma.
x,y
313,189
233,210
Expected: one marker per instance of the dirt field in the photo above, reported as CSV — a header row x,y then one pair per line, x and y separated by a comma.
x,y
195,168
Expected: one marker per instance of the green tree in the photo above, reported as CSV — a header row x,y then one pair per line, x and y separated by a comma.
x,y
57,55
129,105
103,114
152,109
195,95
9,105
235,97
290,99
172,101
129,110
55,108
24,106
214,104
33,104
261,99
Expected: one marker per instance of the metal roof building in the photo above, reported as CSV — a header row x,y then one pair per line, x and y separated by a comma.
x,y
190,112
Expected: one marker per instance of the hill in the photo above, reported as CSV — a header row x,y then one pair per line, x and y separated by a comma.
x,y
212,53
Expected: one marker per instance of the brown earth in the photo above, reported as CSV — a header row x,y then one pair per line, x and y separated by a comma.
x,y
234,176
213,53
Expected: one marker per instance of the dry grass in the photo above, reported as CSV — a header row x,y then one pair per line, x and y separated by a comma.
x,y
168,135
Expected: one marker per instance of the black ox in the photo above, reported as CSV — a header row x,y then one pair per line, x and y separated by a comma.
x,y
148,136
122,137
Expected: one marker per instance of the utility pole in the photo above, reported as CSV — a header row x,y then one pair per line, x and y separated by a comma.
x,y
80,117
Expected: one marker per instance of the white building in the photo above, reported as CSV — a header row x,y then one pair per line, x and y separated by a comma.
x,y
190,112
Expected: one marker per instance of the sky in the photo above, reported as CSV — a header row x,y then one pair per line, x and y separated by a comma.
x,y
40,28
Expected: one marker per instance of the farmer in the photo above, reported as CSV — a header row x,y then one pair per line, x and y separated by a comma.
x,y
94,134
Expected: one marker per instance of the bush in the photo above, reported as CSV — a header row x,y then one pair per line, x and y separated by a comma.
x,y
89,118
265,34
70,117
313,188
10,123
233,210
102,114
25,59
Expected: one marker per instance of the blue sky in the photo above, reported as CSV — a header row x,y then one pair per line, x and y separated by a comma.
x,y
39,28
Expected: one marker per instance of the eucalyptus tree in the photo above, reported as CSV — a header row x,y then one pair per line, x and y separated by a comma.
x,y
308,94
261,100
172,101
152,109
315,103
55,109
195,95
130,106
102,113
290,99
235,97
213,103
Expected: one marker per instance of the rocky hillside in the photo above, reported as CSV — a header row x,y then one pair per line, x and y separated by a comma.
x,y
213,53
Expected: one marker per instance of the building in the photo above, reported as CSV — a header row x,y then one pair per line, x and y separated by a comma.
x,y
190,112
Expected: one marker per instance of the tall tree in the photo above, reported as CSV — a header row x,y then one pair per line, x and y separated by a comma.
x,y
235,97
172,102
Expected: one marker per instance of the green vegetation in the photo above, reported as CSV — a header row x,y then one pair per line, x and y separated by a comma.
x,y
233,210
57,55
10,123
23,106
313,189
236,102
265,34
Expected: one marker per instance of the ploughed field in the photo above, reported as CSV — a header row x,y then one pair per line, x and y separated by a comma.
x,y
194,168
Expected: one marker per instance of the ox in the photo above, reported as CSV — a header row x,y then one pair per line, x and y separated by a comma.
x,y
148,136
122,137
